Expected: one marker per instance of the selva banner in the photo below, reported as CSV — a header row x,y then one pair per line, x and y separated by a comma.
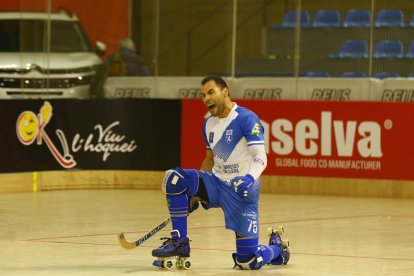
x,y
322,139
123,134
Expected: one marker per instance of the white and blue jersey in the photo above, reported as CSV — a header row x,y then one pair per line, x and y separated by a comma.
x,y
229,139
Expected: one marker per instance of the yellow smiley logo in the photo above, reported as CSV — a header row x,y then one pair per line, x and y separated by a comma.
x,y
27,126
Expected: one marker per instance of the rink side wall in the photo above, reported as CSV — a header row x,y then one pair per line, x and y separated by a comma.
x,y
78,144
67,180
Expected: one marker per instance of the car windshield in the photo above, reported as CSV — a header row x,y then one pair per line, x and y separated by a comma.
x,y
29,36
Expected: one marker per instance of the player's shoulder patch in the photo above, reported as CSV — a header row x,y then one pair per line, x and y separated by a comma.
x,y
256,129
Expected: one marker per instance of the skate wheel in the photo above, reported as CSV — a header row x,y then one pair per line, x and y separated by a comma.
x,y
269,231
280,230
183,264
167,264
187,264
286,243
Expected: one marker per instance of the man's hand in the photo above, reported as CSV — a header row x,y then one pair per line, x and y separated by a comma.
x,y
193,204
242,184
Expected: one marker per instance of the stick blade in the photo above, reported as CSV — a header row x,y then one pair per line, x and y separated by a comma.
x,y
124,243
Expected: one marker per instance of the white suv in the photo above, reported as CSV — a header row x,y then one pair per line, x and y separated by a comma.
x,y
46,55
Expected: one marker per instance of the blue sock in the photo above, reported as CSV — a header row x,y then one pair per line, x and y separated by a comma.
x,y
178,207
246,245
277,257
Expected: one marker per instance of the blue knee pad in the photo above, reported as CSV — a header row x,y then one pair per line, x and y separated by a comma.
x,y
250,255
178,181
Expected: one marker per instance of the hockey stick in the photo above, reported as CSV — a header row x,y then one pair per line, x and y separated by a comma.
x,y
130,245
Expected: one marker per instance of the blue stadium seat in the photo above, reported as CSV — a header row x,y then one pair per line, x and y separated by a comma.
x,y
352,49
384,75
410,75
357,18
289,19
389,49
353,75
410,52
325,18
317,74
390,18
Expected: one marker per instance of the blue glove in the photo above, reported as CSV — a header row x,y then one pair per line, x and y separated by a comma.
x,y
192,206
242,184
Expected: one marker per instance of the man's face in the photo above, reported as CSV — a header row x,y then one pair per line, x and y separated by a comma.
x,y
213,97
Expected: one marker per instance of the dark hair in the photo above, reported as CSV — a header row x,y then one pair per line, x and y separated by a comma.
x,y
217,79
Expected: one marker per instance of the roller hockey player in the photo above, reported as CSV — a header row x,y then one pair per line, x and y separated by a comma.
x,y
229,178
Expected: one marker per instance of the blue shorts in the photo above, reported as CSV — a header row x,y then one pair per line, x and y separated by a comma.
x,y
240,213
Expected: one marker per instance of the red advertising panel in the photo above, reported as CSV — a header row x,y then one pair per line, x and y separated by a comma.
x,y
324,139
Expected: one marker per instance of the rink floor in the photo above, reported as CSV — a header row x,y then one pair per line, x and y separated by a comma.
x,y
75,233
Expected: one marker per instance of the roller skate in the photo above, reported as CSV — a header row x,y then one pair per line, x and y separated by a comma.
x,y
276,240
174,249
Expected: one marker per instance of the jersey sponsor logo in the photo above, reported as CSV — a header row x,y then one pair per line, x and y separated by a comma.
x,y
256,129
231,168
229,135
252,215
211,137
